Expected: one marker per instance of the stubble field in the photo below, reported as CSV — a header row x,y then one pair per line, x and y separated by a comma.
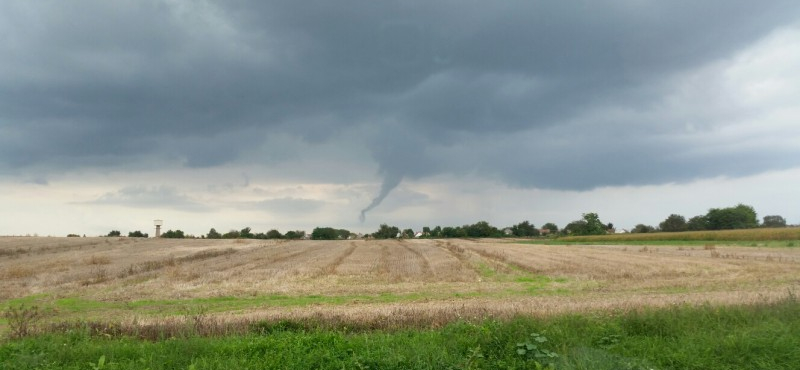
x,y
389,283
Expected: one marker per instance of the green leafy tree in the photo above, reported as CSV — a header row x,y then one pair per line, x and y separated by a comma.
x,y
274,234
577,227
739,217
114,233
551,227
294,234
450,232
524,229
697,223
324,233
245,233
774,221
344,234
386,232
436,232
426,231
170,234
137,234
233,234
593,224
213,234
481,229
589,225
642,228
408,233
673,223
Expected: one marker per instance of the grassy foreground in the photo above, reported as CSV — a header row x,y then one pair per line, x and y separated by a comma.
x,y
765,336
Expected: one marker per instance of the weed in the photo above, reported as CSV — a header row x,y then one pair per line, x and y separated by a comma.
x,y
609,341
101,363
98,276
198,321
22,321
709,247
533,349
474,358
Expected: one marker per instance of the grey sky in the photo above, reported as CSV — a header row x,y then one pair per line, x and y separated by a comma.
x,y
523,94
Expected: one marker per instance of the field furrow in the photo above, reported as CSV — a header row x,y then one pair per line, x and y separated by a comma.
x,y
110,271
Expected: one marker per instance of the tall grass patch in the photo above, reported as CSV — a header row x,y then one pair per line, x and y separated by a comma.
x,y
764,336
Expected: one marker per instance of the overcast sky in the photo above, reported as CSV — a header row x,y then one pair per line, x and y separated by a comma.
x,y
296,114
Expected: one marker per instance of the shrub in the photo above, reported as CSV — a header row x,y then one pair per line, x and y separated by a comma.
x,y
137,234
22,321
177,234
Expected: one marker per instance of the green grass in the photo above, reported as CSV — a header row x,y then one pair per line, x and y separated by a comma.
x,y
765,336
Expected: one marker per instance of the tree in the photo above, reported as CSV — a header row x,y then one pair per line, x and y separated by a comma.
x,y
386,232
177,234
344,234
774,221
274,234
673,223
524,229
324,233
245,233
213,234
593,224
642,228
481,229
697,223
453,232
739,217
577,227
589,225
233,234
426,231
408,233
298,234
550,226
137,234
436,232
114,233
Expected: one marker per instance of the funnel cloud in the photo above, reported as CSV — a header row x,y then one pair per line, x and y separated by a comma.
x,y
390,181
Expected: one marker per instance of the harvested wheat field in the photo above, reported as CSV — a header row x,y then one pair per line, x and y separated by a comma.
x,y
397,282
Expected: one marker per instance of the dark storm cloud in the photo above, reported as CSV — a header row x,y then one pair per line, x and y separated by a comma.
x,y
427,87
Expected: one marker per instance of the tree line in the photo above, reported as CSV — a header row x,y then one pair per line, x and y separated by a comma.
x,y
739,217
132,234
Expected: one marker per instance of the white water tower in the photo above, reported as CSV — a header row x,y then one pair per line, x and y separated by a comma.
x,y
158,224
